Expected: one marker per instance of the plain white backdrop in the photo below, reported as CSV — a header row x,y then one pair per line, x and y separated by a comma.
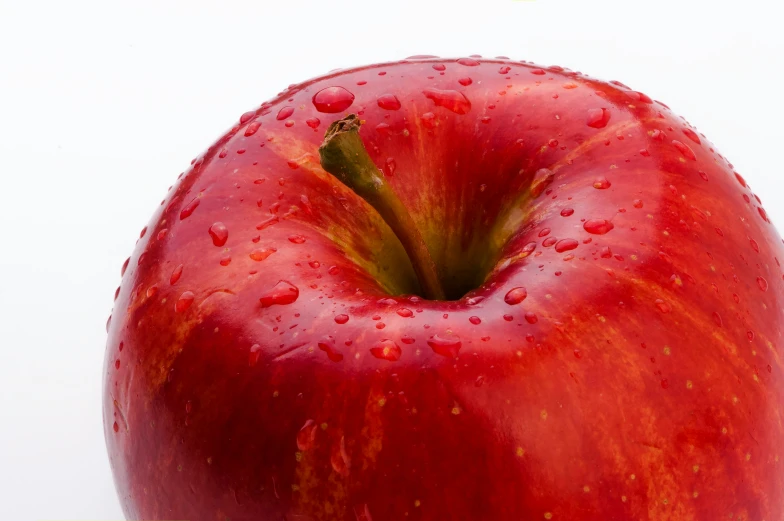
x,y
103,103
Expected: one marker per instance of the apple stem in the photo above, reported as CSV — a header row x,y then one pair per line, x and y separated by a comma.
x,y
344,156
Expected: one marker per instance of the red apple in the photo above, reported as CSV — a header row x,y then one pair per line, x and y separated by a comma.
x,y
608,348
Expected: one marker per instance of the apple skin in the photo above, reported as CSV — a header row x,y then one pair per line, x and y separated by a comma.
x,y
639,379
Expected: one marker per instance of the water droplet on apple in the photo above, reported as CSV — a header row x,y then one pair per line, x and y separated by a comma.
x,y
717,319
388,102
684,149
386,350
219,233
468,62
332,100
475,320
601,183
313,122
762,283
306,436
689,133
538,72
439,67
465,81
297,239
531,317
390,166
339,459
245,117
189,208
449,99
341,319
754,245
598,118
252,128
566,212
176,274
566,245
327,345
663,306
282,293
253,355
447,344
259,254
638,96
184,302
549,242
405,312
115,427
284,113
598,226
515,296
269,221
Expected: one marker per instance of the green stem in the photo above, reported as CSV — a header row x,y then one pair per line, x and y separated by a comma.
x,y
344,156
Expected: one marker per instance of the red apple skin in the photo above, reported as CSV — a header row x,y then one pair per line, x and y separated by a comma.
x,y
640,378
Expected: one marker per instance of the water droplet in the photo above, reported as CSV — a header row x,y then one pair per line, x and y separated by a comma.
x,y
566,212
252,128
327,345
339,459
468,62
740,179
637,203
508,318
124,266
115,427
445,345
549,242
684,149
664,383
717,318
565,245
754,245
405,312
663,306
259,254
689,133
388,102
544,232
282,293
269,221
151,291
313,122
189,208
638,96
601,183
297,239
531,317
538,72
219,233
465,81
515,296
341,319
504,69
475,320
439,67
254,354
184,302
449,99
117,364
284,113
176,274
332,100
386,350
306,436
762,283
598,118
390,166
247,116
598,226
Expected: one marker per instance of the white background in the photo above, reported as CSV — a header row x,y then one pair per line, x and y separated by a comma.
x,y
103,103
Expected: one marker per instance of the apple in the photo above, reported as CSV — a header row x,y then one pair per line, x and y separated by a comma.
x,y
452,289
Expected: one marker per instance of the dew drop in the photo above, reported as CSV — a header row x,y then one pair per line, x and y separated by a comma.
x,y
339,459
439,67
284,113
468,62
684,149
475,320
717,318
566,212
538,72
189,208
762,283
689,133
405,312
445,345
332,100
184,302
297,239
465,81
598,118
531,317
176,274
638,96
313,122
601,183
388,102
244,118
549,242
386,350
754,245
341,319
259,254
663,306
219,233
269,221
565,245
598,226
115,427
282,293
124,266
252,128
515,296
307,435
327,345
449,99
